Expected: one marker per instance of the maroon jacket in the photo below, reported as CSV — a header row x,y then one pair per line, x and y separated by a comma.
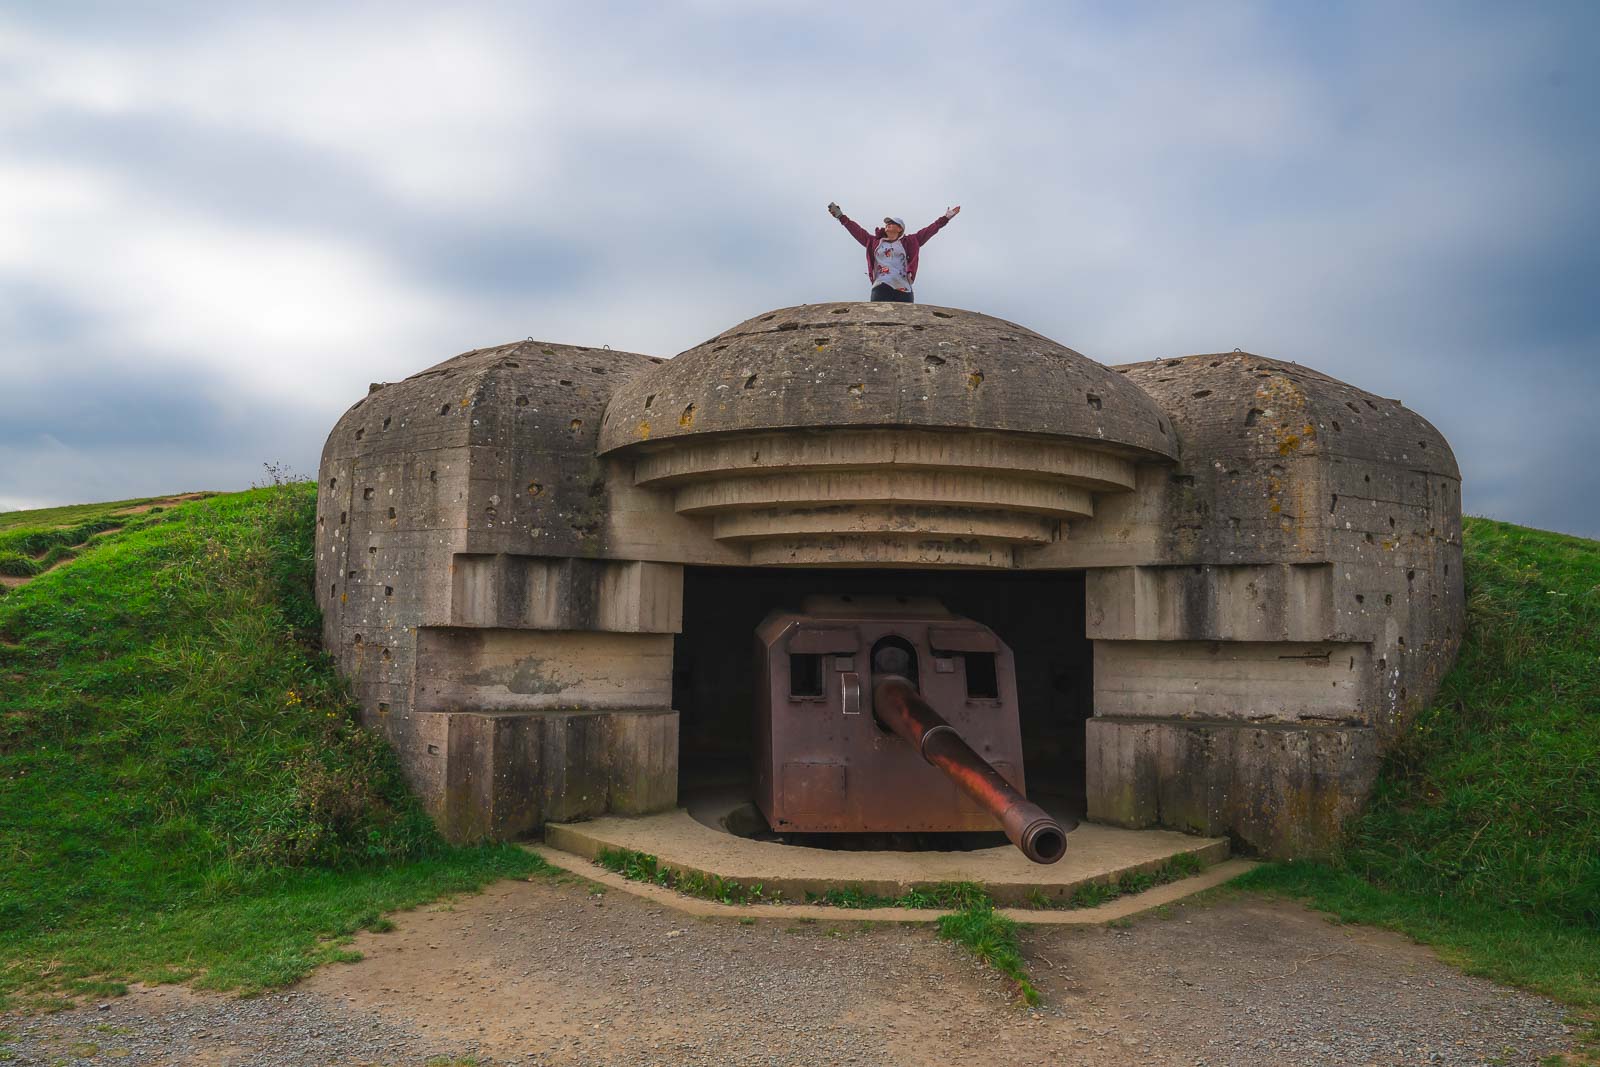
x,y
911,242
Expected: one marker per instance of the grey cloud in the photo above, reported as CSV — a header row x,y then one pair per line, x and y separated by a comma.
x,y
105,436
1400,196
238,176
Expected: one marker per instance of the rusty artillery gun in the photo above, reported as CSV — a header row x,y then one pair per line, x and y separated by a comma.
x,y
892,715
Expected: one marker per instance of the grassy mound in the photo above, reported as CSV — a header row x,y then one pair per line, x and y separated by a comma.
x,y
1483,836
185,787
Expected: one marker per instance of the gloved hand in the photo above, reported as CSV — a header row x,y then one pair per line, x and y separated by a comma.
x,y
833,209
951,213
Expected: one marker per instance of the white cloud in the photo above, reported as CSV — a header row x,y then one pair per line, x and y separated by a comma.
x,y
268,309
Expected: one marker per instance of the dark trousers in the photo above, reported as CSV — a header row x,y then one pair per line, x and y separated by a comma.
x,y
889,294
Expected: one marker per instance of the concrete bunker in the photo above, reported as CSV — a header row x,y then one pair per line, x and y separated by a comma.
x,y
1228,580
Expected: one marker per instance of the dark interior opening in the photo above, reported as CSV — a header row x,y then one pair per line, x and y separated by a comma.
x,y
895,655
1039,614
805,674
982,680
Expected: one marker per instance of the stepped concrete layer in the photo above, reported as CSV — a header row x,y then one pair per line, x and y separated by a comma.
x,y
678,840
844,435
1119,908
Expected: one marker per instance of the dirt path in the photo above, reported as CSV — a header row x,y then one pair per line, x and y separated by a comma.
x,y
543,973
162,502
15,581
11,581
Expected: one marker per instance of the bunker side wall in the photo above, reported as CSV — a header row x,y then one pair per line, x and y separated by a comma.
x,y
1269,613
469,596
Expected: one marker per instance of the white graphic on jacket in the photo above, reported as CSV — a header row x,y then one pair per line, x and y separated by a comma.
x,y
889,265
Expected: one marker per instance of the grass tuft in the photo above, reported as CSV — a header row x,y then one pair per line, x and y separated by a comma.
x,y
1093,894
68,515
937,895
643,867
992,938
957,895
31,542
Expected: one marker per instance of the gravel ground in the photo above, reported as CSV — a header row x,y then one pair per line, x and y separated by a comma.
x,y
544,973
171,1025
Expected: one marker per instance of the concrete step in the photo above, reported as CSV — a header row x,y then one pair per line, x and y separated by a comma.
x,y
1120,908
1094,854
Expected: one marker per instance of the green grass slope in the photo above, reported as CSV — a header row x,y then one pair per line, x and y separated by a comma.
x,y
31,542
1483,836
184,790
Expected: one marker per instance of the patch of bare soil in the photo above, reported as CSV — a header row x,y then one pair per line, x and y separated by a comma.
x,y
544,972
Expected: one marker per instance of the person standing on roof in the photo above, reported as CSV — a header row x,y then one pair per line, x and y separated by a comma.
x,y
892,253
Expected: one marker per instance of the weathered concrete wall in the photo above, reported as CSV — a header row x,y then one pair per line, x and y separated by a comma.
x,y
1280,790
510,773
469,595
1322,682
1273,609
533,670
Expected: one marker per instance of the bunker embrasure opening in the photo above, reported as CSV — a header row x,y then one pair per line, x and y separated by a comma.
x,y
774,678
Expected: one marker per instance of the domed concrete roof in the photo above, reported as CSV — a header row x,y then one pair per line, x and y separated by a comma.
x,y
527,394
1237,402
402,457
861,365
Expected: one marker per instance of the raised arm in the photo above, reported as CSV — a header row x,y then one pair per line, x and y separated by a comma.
x,y
936,225
863,238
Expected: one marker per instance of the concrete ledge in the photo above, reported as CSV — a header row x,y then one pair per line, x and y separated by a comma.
x,y
1094,854
1120,908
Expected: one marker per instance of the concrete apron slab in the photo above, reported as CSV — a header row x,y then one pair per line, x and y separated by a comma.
x,y
1120,908
1094,854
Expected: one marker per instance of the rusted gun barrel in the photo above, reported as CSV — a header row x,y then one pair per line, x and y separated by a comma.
x,y
900,708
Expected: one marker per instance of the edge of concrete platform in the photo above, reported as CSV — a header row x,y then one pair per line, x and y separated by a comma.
x,y
1120,908
582,840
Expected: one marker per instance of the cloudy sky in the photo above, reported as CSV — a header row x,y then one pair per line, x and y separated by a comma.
x,y
219,222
